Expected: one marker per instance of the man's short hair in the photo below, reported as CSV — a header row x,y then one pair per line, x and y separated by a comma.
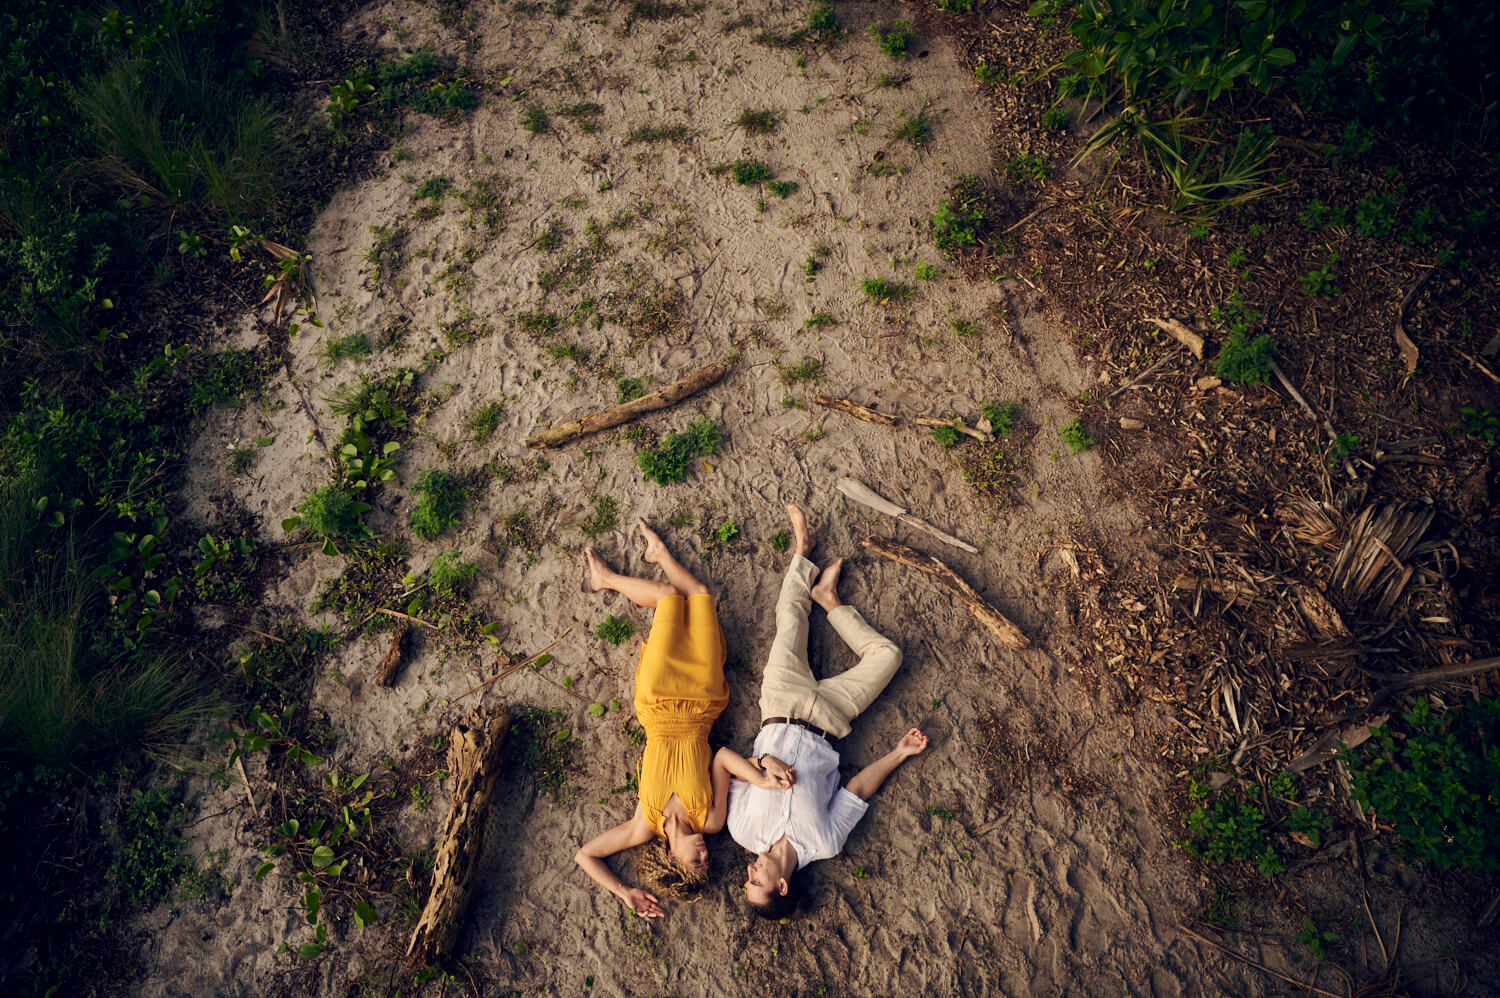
x,y
779,905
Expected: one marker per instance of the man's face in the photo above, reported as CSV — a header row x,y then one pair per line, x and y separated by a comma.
x,y
763,879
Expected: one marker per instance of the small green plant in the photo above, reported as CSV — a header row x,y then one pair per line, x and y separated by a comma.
x,y
614,630
963,327
781,541
1358,142
627,389
1316,941
450,573
1439,786
956,226
484,420
536,121
925,271
1321,281
754,122
806,369
916,128
342,347
895,41
823,20
1230,829
433,189
332,514
553,236
653,133
940,813
985,73
441,497
606,517
1481,424
670,461
1004,417
948,436
748,172
818,320
541,742
1025,166
726,532
879,291
1341,448
957,6
1055,118
782,188
1318,215
191,244
1076,437
1375,216
1244,359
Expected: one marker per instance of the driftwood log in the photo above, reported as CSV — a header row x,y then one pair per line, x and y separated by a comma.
x,y
556,436
474,756
856,410
396,654
1008,634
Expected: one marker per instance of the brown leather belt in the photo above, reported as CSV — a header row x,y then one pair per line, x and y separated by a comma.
x,y
830,739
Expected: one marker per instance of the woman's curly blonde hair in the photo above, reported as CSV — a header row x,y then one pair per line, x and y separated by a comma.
x,y
667,877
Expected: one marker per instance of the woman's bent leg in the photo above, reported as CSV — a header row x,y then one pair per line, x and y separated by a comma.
x,y
642,592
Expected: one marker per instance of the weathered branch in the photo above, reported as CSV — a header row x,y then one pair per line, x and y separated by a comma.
x,y
394,656
562,433
1008,634
956,424
1181,334
856,410
474,757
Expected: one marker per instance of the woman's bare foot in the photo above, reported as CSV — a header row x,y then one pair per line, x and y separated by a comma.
x,y
805,541
655,548
599,570
826,592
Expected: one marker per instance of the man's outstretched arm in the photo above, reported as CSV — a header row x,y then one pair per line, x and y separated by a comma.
x,y
869,779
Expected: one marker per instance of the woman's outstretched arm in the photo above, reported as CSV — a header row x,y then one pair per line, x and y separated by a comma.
x,y
599,848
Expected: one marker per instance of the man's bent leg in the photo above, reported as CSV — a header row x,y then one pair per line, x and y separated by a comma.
x,y
787,686
844,697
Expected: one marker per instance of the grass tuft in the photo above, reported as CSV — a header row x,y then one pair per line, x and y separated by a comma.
x,y
441,497
670,461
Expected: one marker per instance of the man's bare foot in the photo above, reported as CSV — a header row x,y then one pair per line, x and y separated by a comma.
x,y
599,570
655,548
805,541
826,592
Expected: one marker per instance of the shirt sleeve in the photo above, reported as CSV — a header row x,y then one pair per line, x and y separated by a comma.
x,y
843,814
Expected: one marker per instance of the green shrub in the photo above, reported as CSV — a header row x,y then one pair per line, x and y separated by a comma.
x,y
1439,785
450,573
947,436
879,291
614,630
914,128
1004,417
726,532
441,496
1076,437
1246,361
954,228
628,389
823,20
781,541
484,420
670,461
333,514
782,188
1230,829
148,859
894,40
747,172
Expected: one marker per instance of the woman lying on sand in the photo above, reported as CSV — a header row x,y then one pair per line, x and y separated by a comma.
x,y
679,691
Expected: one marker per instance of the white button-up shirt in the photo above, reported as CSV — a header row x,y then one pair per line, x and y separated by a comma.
x,y
816,814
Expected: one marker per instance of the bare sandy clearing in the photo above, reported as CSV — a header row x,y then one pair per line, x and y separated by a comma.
x,y
1065,882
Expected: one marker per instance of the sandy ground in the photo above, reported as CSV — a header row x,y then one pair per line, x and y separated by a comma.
x,y
1065,884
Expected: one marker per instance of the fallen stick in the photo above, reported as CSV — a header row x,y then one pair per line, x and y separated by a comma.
x,y
519,665
386,674
1256,964
1181,333
856,410
1400,682
861,493
956,424
406,616
562,433
1008,634
474,757
1333,437
239,763
1409,353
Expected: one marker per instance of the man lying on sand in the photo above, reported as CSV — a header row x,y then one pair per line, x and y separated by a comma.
x,y
809,817
679,690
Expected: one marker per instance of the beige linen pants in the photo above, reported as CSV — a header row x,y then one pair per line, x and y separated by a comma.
x,y
788,688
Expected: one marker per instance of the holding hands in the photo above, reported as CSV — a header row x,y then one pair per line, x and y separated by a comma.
x,y
775,774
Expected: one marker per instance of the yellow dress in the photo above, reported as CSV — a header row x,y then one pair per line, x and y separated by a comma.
x,y
679,692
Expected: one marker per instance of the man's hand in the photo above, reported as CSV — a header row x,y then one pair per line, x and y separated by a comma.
x,y
912,744
778,775
642,902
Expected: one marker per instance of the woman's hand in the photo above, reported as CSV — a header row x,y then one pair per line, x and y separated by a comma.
x,y
642,902
777,775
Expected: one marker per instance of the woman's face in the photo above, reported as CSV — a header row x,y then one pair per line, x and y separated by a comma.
x,y
692,851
